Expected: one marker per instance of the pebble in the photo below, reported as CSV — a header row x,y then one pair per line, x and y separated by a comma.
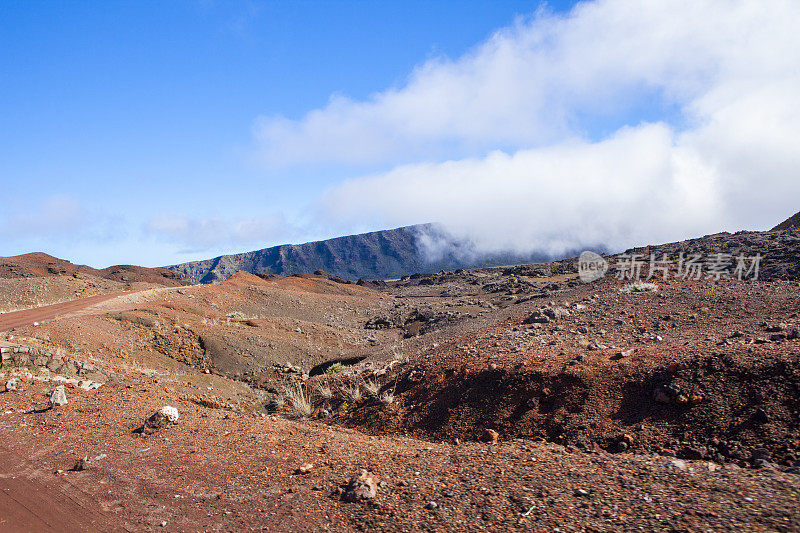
x,y
491,436
431,506
305,468
163,417
80,464
676,464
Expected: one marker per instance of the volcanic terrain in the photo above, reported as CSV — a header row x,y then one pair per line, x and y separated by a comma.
x,y
507,398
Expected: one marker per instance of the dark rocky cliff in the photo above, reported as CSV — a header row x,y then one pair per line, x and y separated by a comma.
x,y
376,255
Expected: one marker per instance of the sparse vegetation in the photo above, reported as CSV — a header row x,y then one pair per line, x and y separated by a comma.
x,y
372,387
335,368
352,392
639,286
325,391
299,398
387,397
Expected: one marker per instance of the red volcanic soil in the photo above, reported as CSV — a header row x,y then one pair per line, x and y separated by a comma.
x,y
691,370
17,319
231,470
39,264
490,400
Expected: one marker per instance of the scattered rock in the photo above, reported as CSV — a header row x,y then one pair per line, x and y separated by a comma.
x,y
360,487
536,318
305,468
676,464
690,452
491,436
58,396
556,313
623,354
162,418
11,384
81,464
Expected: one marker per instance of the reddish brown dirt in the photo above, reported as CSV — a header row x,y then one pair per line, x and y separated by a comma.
x,y
31,502
558,393
734,394
18,319
39,264
221,470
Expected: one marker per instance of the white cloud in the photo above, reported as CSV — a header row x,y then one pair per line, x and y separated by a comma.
x,y
729,160
56,218
203,233
531,83
635,186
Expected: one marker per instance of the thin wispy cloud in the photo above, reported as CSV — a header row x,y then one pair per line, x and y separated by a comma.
x,y
197,234
59,217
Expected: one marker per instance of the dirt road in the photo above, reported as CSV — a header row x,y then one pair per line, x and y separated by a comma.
x,y
17,319
83,306
33,503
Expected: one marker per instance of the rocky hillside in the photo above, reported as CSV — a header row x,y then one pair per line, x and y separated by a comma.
x,y
779,250
791,222
41,265
376,255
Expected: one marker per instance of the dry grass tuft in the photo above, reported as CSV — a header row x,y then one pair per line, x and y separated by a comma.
x,y
299,398
352,392
372,387
639,286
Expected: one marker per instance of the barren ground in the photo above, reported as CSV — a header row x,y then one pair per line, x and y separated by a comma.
x,y
672,410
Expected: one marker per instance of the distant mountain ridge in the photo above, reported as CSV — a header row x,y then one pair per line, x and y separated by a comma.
x,y
383,254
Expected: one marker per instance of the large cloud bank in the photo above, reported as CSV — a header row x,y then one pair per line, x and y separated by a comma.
x,y
620,123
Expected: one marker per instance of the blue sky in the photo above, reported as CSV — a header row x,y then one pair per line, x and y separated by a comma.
x,y
160,132
134,109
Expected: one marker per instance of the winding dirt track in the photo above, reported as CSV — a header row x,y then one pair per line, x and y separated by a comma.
x,y
28,503
18,319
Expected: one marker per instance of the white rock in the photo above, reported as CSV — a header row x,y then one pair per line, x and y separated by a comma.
x,y
11,384
170,413
58,396
676,464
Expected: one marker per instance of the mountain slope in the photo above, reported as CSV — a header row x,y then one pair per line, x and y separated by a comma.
x,y
791,222
376,255
42,265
